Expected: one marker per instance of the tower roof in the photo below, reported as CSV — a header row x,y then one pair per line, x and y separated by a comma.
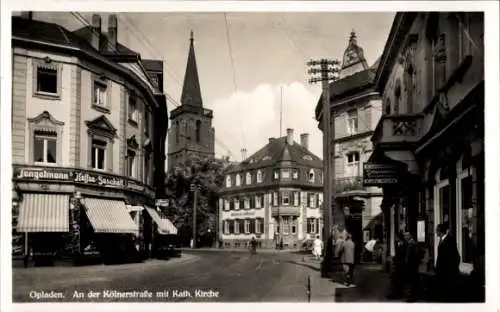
x,y
191,92
354,58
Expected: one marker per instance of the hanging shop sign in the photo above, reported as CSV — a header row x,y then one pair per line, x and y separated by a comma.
x,y
161,202
78,176
380,174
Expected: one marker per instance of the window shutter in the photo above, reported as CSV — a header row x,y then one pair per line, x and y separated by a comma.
x,y
231,204
299,198
308,200
317,200
317,226
279,199
252,202
231,226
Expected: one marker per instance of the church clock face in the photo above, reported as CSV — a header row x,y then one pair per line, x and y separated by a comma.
x,y
349,58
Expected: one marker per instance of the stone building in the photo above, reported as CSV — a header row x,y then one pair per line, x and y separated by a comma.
x,y
274,195
356,107
191,131
88,132
429,143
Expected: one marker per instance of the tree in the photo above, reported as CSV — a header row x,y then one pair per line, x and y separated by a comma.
x,y
207,175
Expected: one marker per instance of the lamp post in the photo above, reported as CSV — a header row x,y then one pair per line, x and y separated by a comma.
x,y
194,188
75,225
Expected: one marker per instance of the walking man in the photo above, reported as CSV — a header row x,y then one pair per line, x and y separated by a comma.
x,y
447,264
412,267
347,258
398,272
317,248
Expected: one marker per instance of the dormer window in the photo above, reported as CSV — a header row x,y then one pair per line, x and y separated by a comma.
x,y
238,180
285,174
228,181
285,198
276,174
248,178
259,176
311,176
352,122
295,174
307,157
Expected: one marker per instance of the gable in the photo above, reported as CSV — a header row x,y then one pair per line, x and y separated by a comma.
x,y
101,124
45,119
137,69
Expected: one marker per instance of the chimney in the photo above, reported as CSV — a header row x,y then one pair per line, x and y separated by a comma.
x,y
289,136
112,32
304,140
27,15
243,153
96,31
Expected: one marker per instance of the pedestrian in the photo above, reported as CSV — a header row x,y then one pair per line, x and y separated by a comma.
x,y
253,246
370,248
447,264
317,248
398,272
347,258
413,258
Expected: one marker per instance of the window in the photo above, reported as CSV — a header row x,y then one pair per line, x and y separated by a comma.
x,y
241,224
45,147
463,28
132,107
311,200
258,201
275,198
131,169
285,199
397,96
259,176
311,176
311,226
247,203
259,226
294,226
99,94
307,157
238,180
285,174
147,167
198,131
352,122
439,45
247,226
236,226
248,178
320,199
226,227
387,106
286,225
252,225
146,122
231,226
46,79
296,198
226,204
353,164
276,174
98,155
228,181
295,174
236,204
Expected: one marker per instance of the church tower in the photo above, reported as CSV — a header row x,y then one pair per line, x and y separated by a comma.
x,y
191,132
354,59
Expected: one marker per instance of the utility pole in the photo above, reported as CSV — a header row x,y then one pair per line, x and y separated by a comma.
x,y
326,70
194,189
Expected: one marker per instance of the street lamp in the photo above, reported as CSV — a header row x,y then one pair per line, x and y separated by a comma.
x,y
194,188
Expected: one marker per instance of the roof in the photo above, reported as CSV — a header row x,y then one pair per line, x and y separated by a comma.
x,y
86,33
153,65
275,152
347,86
191,92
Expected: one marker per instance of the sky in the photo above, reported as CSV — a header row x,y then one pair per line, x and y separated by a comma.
x,y
249,64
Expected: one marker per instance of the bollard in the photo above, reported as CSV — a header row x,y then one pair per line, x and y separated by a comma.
x,y
308,288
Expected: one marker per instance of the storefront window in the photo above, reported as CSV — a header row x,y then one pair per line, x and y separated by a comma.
x,y
444,203
468,238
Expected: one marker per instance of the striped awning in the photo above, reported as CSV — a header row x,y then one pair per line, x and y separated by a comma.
x,y
165,226
44,213
109,216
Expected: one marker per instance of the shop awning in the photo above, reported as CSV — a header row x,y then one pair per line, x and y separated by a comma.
x,y
109,216
165,226
44,213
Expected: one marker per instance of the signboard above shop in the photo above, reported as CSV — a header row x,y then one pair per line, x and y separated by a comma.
x,y
381,174
79,176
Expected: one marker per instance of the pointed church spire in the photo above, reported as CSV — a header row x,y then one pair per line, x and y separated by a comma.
x,y
191,92
354,59
353,40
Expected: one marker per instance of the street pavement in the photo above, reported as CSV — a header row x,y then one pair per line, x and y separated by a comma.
x,y
199,275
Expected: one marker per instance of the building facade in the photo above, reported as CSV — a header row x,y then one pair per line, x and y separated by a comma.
x,y
429,143
356,108
191,130
274,195
88,133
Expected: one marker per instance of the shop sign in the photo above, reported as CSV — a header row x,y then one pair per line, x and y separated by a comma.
x,y
99,179
43,174
242,214
161,202
380,174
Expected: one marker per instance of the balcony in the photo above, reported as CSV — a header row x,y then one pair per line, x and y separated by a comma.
x,y
404,128
349,184
284,211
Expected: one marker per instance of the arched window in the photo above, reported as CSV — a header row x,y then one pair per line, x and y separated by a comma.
x,y
198,131
238,180
248,179
259,176
228,181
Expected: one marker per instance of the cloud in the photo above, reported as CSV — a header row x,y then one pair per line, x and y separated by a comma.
x,y
248,119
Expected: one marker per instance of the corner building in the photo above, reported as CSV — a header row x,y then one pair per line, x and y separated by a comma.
x,y
89,122
274,195
429,143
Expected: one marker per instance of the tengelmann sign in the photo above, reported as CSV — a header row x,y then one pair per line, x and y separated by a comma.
x,y
79,176
380,174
